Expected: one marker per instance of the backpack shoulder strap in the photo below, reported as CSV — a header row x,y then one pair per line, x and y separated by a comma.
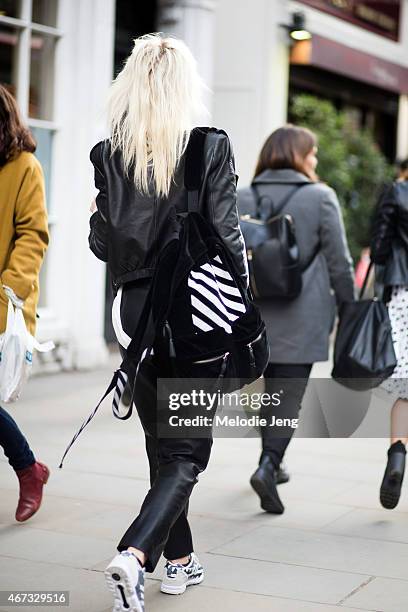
x,y
276,211
257,200
288,198
193,166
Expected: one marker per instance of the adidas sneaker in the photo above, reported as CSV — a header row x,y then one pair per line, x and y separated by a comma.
x,y
178,577
125,579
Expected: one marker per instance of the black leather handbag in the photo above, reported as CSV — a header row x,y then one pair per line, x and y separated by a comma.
x,y
272,249
364,353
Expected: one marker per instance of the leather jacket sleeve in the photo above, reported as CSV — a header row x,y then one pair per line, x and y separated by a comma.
x,y
98,226
335,248
384,227
222,202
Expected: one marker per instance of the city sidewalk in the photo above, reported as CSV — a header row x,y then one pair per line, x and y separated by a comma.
x,y
335,548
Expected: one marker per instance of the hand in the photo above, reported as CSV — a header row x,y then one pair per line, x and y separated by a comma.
x,y
93,206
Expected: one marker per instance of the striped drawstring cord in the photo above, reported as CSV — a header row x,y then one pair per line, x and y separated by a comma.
x,y
118,383
119,389
112,385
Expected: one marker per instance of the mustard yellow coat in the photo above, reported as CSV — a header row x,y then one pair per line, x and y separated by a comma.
x,y
23,233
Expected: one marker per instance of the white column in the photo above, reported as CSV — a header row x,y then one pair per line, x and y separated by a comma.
x,y
76,280
194,22
251,75
402,132
276,69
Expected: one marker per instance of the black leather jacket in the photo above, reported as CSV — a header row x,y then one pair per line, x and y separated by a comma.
x,y
129,229
389,245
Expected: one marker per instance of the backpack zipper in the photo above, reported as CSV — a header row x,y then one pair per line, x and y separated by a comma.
x,y
250,219
252,360
223,356
256,339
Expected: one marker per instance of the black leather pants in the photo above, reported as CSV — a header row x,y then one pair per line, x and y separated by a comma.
x,y
275,377
162,524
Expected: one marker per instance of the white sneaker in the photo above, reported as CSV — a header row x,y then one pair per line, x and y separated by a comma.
x,y
125,579
177,577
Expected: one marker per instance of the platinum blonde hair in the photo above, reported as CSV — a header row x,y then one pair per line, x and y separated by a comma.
x,y
152,104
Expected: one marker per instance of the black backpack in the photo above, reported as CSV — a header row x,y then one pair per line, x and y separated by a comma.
x,y
198,319
272,249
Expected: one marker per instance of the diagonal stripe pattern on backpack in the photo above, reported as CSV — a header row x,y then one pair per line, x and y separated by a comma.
x,y
215,298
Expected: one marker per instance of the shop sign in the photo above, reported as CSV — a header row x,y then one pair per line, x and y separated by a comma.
x,y
379,16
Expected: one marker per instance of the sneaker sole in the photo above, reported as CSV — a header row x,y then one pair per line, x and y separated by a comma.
x,y
127,595
170,589
267,504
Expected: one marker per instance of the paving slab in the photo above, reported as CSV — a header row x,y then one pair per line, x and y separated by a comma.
x,y
373,524
366,496
98,487
382,595
36,545
321,550
203,599
87,588
278,579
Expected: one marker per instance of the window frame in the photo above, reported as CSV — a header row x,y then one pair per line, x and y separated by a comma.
x,y
25,28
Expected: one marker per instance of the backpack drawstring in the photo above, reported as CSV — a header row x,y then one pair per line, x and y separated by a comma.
x,y
112,386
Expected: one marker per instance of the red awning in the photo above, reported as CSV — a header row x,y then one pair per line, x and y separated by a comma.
x,y
335,57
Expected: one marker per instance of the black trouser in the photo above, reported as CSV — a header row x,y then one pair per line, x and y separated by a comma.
x,y
273,446
14,444
162,524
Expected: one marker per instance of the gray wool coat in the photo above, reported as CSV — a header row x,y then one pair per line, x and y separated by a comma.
x,y
298,330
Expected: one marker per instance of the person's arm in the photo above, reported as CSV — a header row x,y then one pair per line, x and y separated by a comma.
x,y
335,248
31,234
222,201
98,239
384,227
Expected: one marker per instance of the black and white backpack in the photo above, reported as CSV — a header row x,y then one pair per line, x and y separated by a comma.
x,y
198,320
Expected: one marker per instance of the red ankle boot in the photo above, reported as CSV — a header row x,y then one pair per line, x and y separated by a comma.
x,y
32,480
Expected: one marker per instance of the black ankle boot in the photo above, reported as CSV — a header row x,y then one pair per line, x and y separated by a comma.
x,y
263,482
394,474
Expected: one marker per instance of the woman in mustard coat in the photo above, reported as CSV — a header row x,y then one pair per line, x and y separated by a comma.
x,y
23,241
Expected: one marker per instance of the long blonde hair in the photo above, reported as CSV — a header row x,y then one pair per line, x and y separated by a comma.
x,y
151,109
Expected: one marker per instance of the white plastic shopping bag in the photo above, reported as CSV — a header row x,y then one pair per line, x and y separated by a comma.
x,y
16,354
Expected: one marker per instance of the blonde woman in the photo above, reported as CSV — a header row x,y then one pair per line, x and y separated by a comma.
x,y
139,175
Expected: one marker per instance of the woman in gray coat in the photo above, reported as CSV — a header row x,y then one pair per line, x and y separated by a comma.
x,y
298,329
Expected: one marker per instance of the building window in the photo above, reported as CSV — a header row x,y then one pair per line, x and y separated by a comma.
x,y
45,12
10,8
29,35
41,77
9,38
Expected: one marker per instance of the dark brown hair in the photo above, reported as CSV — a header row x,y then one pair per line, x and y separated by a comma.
x,y
15,137
287,147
